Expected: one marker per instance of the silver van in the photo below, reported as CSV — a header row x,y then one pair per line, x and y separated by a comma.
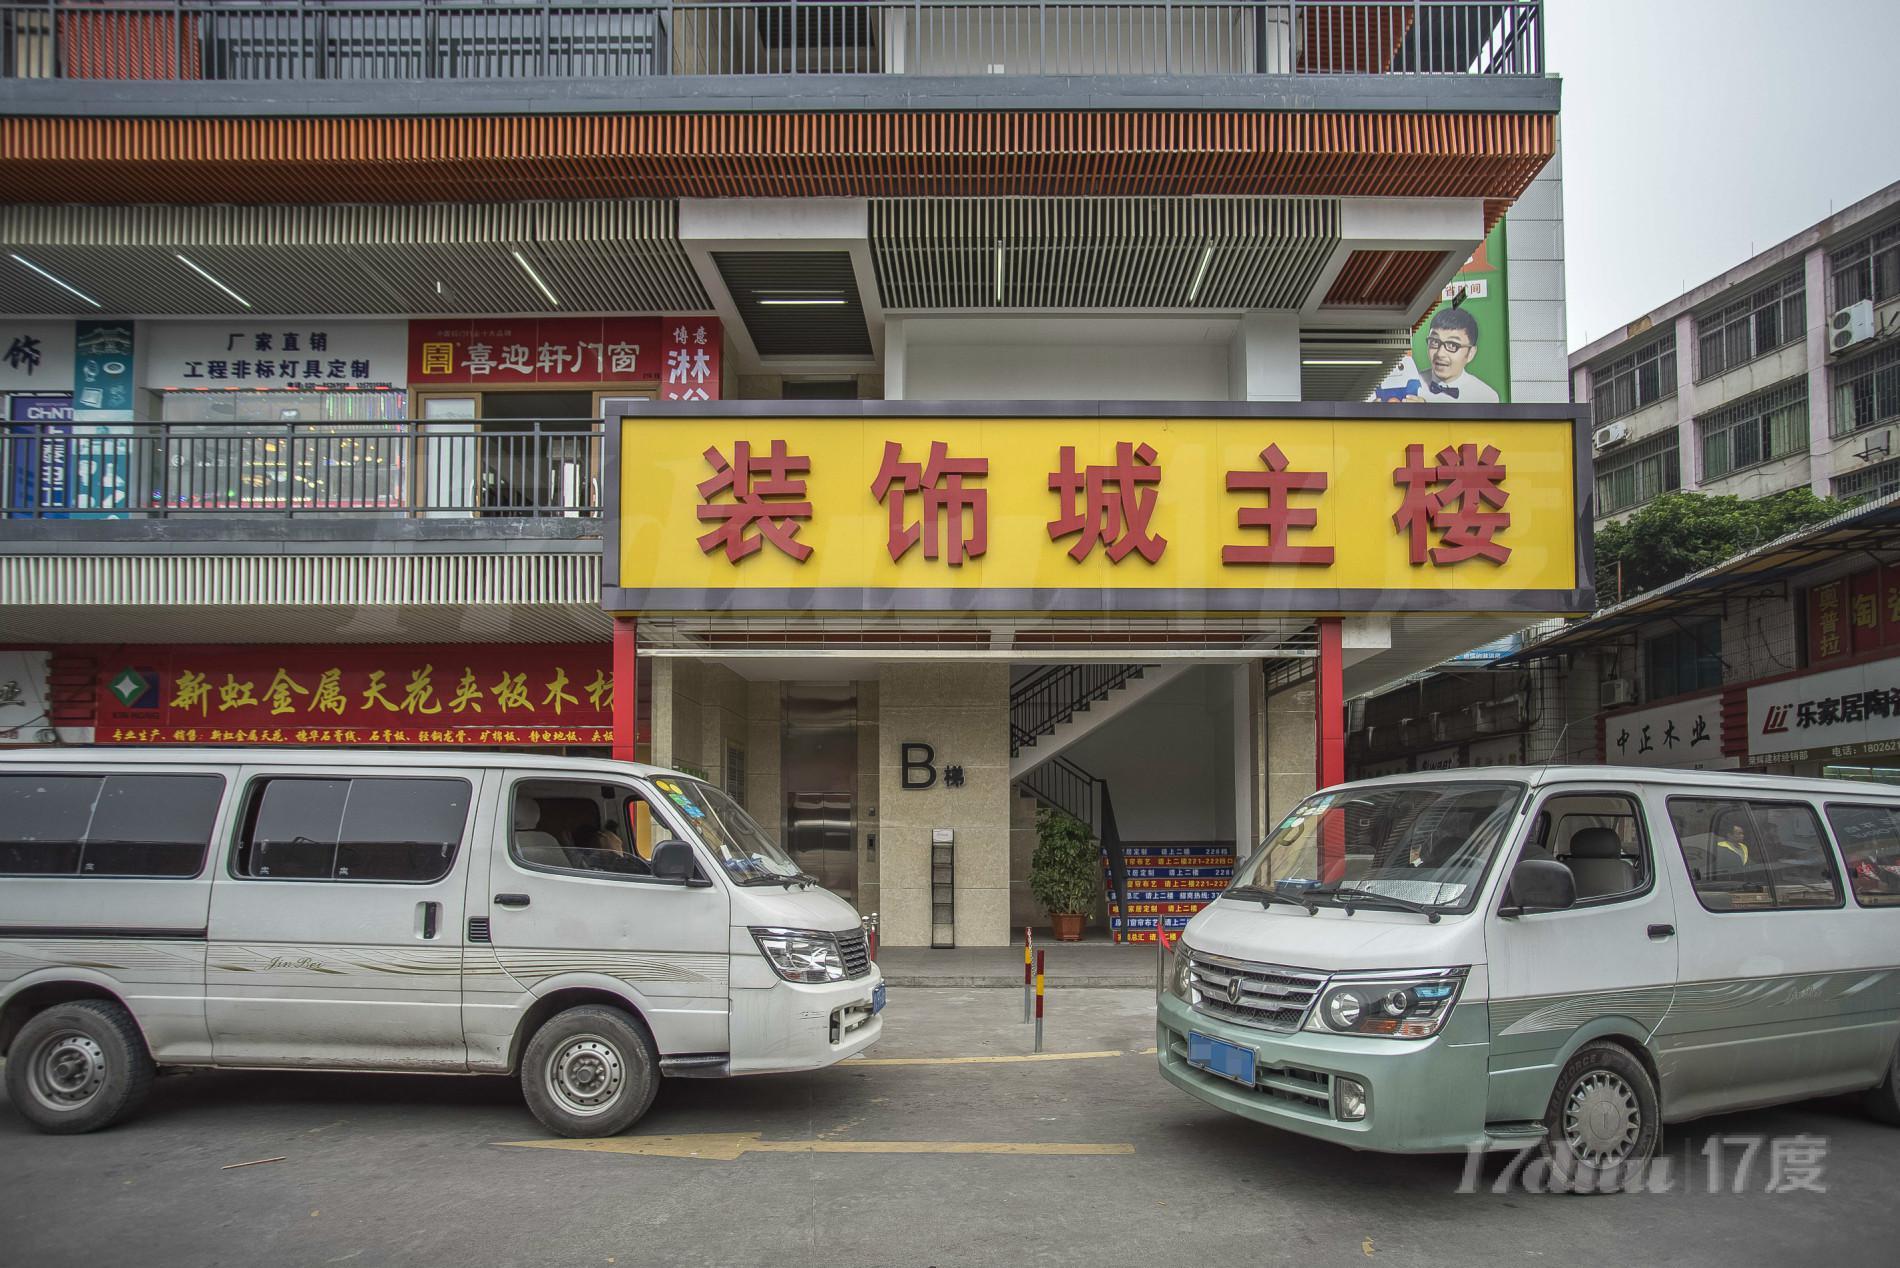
x,y
590,925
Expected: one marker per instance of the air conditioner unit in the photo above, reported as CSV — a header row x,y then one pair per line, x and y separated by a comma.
x,y
1493,716
1614,434
1850,326
1616,691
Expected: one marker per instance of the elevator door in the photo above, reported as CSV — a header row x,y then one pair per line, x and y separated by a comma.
x,y
819,766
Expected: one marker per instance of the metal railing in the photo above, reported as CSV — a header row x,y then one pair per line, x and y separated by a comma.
x,y
1045,700
165,470
517,39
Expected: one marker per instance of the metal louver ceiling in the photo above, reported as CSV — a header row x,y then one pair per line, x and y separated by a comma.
x,y
1081,253
1346,365
599,256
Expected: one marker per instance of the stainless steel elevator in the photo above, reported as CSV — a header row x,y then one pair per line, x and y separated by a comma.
x,y
818,766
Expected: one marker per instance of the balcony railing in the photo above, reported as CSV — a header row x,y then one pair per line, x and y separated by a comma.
x,y
456,39
68,471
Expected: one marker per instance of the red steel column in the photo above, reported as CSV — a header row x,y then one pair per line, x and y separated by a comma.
x,y
1329,704
626,665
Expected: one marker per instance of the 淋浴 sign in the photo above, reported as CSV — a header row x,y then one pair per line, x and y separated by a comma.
x,y
1226,509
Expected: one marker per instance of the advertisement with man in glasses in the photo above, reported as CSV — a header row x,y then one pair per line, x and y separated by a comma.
x,y
1461,356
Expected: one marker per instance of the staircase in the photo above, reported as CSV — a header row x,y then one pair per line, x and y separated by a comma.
x,y
1149,886
1052,709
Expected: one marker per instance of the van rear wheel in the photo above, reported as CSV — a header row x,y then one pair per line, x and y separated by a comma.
x,y
1602,1123
1883,1102
78,1067
590,1071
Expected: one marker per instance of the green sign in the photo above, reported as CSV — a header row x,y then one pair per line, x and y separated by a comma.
x,y
1461,352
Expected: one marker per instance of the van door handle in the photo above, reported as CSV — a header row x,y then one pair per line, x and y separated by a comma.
x,y
430,914
511,900
1659,932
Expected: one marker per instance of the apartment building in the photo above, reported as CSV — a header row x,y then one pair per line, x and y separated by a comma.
x,y
378,375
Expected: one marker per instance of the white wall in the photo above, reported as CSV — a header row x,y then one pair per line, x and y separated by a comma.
x,y
1061,359
1534,229
1169,760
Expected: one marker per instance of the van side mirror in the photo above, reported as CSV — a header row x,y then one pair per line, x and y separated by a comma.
x,y
673,860
1539,885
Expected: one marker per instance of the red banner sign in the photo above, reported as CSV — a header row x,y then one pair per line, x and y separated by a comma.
x,y
682,353
1855,615
451,694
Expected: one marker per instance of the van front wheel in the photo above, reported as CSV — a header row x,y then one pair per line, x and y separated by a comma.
x,y
590,1071
1602,1123
78,1067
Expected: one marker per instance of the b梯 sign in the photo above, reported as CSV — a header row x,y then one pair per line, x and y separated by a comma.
x,y
1226,509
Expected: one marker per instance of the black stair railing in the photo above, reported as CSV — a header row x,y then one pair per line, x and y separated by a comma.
x,y
1062,784
1044,701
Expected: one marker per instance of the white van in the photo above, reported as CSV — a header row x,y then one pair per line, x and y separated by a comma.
x,y
1565,957
593,925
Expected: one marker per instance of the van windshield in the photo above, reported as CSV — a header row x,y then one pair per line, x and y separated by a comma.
x,y
1404,847
749,856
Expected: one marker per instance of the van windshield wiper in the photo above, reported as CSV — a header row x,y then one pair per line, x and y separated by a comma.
x,y
1351,898
1267,897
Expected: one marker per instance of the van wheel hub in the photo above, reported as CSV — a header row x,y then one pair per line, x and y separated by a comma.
x,y
1602,1118
585,1075
70,1071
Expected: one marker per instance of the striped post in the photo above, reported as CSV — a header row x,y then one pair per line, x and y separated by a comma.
x,y
1029,938
1038,1001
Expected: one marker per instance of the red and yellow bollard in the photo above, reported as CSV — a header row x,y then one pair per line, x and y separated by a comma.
x,y
1038,1001
1029,939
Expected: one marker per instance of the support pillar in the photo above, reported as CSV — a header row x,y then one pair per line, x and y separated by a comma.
x,y
626,667
1329,749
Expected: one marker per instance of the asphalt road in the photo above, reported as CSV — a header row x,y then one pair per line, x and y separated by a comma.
x,y
414,1170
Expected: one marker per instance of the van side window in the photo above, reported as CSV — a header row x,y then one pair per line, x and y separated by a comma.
x,y
573,825
107,825
367,829
1755,855
1869,837
1600,838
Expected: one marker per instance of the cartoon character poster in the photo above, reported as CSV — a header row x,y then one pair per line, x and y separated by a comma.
x,y
1461,353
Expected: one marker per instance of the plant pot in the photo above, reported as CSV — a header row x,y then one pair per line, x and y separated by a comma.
x,y
1068,925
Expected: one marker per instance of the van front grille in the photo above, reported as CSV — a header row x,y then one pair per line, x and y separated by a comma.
x,y
1270,996
855,952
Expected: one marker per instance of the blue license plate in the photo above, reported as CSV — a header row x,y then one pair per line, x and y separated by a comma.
x,y
877,999
1217,1056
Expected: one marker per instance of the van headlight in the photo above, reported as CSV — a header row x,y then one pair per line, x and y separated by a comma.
x,y
1402,1008
1180,971
801,955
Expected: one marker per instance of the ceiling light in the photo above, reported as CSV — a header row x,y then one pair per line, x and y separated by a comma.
x,y
999,270
1200,272
1355,361
214,281
64,286
802,303
535,277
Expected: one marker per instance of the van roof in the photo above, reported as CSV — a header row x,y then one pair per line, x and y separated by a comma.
x,y
109,755
1603,772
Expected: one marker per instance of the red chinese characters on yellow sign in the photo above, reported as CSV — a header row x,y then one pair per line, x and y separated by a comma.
x,y
475,694
1450,510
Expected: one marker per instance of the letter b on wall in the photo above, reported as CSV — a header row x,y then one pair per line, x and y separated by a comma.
x,y
920,770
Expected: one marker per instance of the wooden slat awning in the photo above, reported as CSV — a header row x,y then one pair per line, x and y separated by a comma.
x,y
518,158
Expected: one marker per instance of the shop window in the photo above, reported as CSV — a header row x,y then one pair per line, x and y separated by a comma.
x,y
1869,837
1755,855
573,825
1684,660
113,825
360,830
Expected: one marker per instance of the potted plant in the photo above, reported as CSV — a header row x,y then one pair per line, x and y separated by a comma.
x,y
1062,873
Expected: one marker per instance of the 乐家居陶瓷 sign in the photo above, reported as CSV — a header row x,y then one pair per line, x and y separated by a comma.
x,y
1292,507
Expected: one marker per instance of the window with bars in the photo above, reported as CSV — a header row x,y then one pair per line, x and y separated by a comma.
x,y
1869,482
1868,269
1629,383
1639,473
1737,333
1755,429
1687,658
1867,391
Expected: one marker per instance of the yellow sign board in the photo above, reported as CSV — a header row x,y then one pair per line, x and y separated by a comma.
x,y
1265,508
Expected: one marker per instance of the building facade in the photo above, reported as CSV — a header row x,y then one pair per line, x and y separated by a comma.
x,y
1782,373
312,318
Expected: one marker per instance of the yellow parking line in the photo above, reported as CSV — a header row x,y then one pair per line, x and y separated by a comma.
x,y
1026,1057
727,1146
